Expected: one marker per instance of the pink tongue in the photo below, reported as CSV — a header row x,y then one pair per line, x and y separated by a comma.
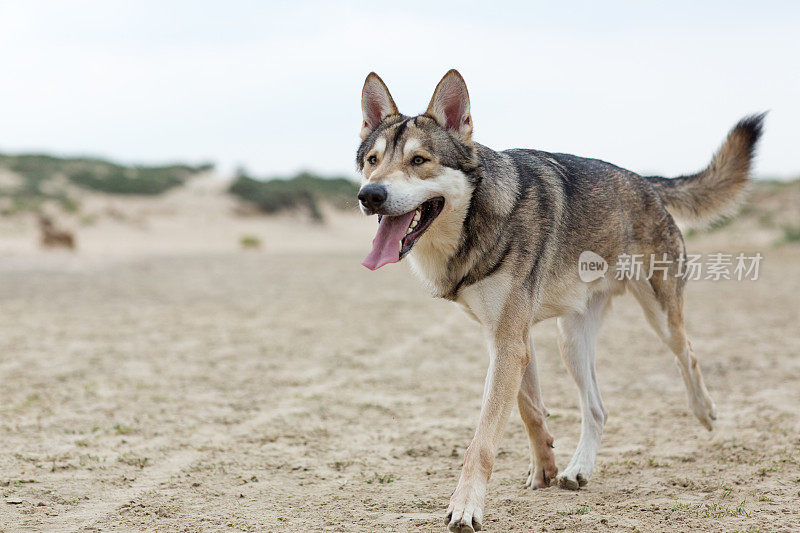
x,y
386,244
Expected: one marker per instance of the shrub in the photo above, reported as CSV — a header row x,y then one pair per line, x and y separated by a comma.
x,y
95,174
791,234
303,191
250,241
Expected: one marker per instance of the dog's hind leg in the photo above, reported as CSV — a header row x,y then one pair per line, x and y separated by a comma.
x,y
577,338
662,302
529,400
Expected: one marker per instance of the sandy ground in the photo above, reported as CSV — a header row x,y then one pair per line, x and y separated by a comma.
x,y
163,379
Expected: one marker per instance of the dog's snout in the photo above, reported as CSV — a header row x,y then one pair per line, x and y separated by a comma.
x,y
372,196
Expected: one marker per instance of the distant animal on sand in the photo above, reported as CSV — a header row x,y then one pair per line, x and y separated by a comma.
x,y
51,236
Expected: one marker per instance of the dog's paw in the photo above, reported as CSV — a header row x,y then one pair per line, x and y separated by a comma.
x,y
462,525
465,513
705,412
573,478
540,478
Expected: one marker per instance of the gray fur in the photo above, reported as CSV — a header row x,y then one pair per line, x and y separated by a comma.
x,y
605,208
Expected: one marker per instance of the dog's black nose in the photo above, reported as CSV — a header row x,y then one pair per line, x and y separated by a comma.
x,y
372,196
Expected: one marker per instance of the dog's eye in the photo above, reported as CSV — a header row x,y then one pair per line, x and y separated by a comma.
x,y
417,160
372,160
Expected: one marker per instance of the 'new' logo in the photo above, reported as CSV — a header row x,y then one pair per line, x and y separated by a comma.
x,y
591,266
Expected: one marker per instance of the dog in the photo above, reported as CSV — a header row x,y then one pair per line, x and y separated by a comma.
x,y
52,237
501,233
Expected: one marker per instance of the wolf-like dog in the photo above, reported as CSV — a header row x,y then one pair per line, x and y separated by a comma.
x,y
501,233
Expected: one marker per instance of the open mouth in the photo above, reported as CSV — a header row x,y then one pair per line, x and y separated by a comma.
x,y
423,218
398,234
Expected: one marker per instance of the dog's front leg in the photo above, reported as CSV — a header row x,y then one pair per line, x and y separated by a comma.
x,y
508,357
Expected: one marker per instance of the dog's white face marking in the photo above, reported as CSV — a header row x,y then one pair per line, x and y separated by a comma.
x,y
380,147
429,256
411,145
406,192
378,150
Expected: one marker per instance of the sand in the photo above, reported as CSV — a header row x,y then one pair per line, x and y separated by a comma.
x,y
163,378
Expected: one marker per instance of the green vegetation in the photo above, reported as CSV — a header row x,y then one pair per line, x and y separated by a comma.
x,y
44,177
791,234
122,429
249,241
305,191
574,511
656,464
716,510
381,478
340,466
116,179
132,459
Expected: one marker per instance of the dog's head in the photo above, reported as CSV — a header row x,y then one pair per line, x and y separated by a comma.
x,y
415,169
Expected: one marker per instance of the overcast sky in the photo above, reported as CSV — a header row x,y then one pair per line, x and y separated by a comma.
x,y
275,86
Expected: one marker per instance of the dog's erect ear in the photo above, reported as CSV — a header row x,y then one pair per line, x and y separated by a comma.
x,y
376,104
450,105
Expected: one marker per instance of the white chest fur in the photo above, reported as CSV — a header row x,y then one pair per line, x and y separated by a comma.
x,y
485,300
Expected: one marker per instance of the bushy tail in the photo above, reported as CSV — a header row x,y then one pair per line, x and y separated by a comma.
x,y
716,191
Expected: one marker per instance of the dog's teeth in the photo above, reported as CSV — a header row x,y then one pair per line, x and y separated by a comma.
x,y
409,230
417,215
400,246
